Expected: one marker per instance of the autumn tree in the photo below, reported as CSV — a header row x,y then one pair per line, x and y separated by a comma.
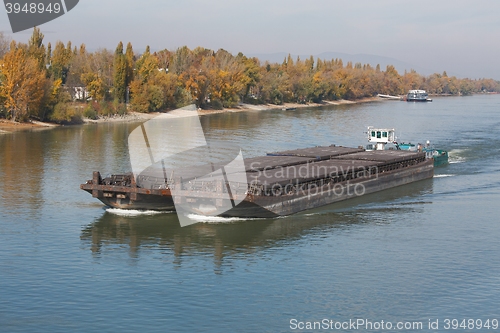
x,y
488,85
433,84
466,87
228,79
80,64
48,56
94,86
22,83
145,96
392,81
274,82
181,61
97,75
251,74
412,80
451,85
159,92
196,81
165,59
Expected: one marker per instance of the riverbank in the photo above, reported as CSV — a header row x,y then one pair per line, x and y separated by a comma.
x,y
7,126
137,116
290,106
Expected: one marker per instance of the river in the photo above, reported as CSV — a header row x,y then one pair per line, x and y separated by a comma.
x,y
423,253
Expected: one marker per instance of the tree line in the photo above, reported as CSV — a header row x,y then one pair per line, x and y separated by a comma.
x,y
43,82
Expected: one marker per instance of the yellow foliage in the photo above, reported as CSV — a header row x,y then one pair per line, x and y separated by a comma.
x,y
22,82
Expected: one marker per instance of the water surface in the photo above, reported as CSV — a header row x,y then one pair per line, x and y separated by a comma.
x,y
424,251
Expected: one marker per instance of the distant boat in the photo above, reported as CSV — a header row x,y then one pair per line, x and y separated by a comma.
x,y
417,96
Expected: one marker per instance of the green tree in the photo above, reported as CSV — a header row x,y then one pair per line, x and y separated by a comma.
x,y
130,64
60,61
36,49
251,75
79,65
120,74
182,60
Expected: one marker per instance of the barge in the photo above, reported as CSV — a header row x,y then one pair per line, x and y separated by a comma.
x,y
280,183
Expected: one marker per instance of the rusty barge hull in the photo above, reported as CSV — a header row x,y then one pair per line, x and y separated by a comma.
x,y
279,184
254,206
121,191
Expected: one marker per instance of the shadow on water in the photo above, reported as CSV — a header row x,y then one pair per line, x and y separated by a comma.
x,y
247,236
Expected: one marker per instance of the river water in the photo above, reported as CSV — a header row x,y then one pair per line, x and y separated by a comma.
x,y
427,251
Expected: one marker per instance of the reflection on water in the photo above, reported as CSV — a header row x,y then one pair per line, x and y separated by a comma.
x,y
18,187
245,237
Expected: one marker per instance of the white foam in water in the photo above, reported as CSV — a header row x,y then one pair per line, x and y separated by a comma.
x,y
215,219
132,212
443,176
454,156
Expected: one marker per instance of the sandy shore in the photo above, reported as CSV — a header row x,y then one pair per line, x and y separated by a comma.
x,y
290,106
131,116
7,126
136,116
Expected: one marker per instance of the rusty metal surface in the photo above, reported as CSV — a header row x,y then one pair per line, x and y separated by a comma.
x,y
320,152
309,171
121,191
269,206
261,163
316,197
386,156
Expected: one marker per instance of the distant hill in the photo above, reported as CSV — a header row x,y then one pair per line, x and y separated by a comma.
x,y
371,59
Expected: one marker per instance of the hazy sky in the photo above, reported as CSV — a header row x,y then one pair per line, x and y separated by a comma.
x,y
460,36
